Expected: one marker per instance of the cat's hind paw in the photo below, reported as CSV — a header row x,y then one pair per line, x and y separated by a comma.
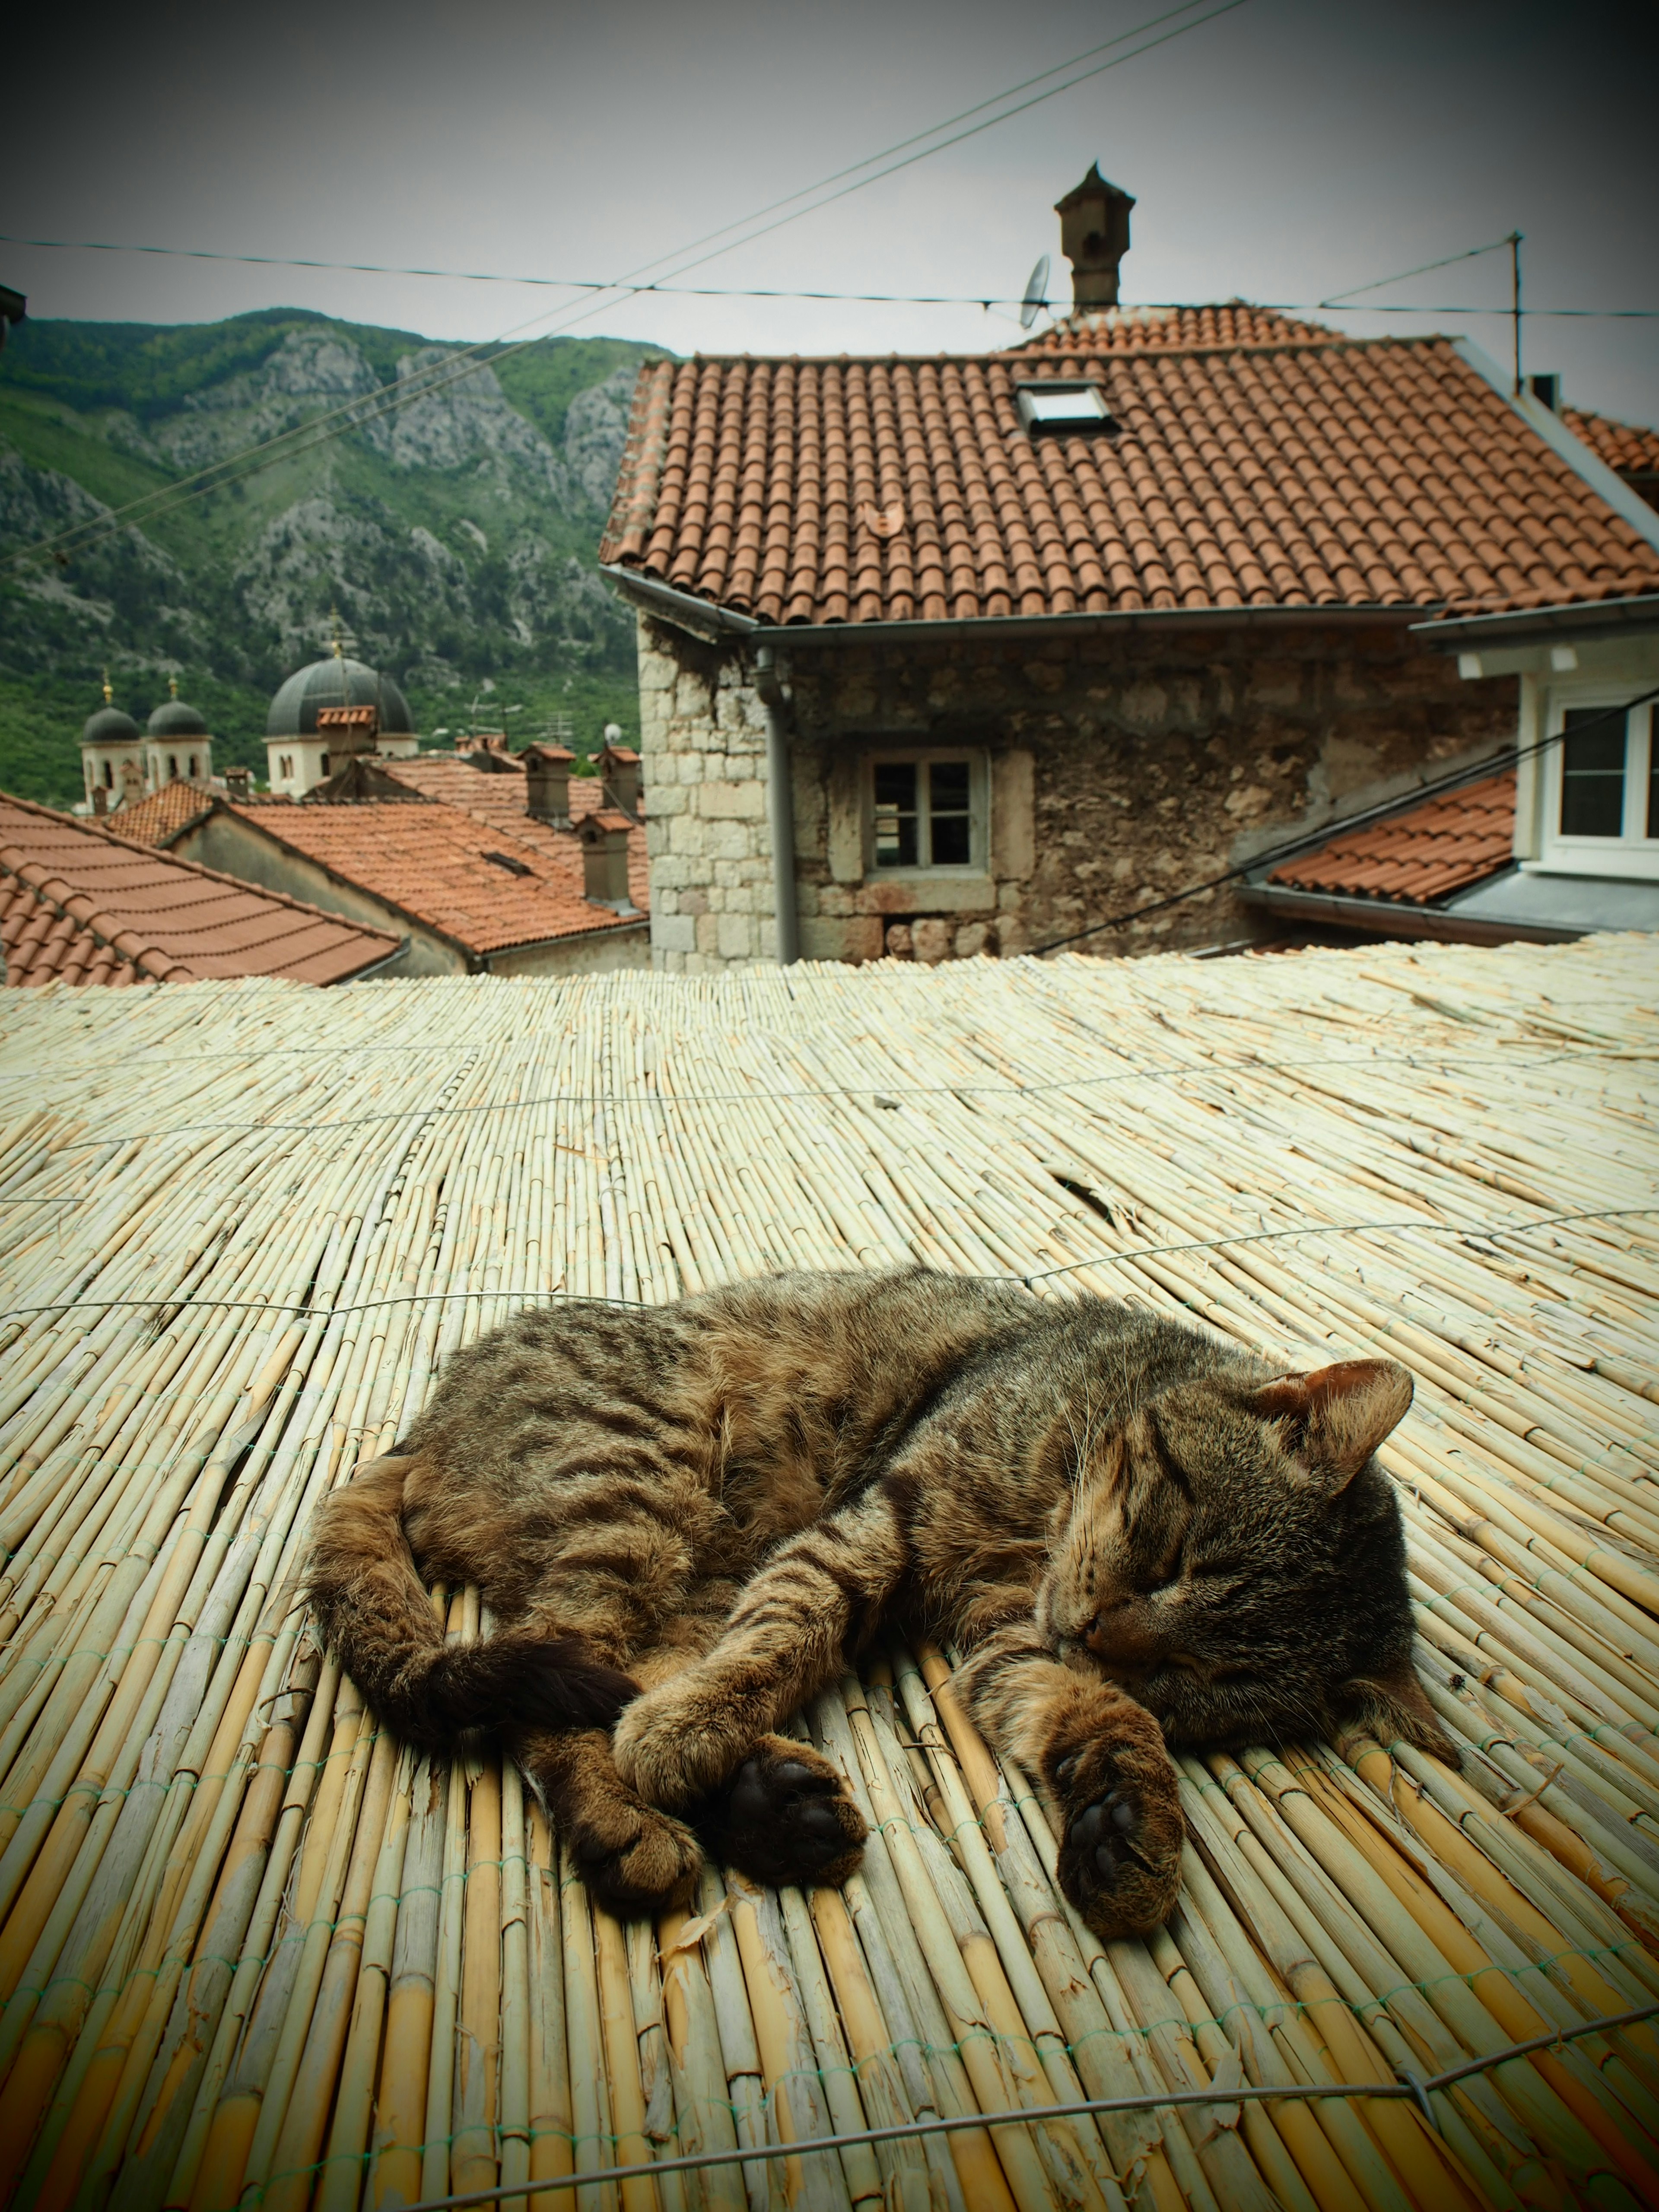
x,y
635,1859
785,1816
1120,1853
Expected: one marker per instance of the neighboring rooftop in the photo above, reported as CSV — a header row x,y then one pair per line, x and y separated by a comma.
x,y
1628,449
430,861
1425,852
247,1226
83,903
160,817
498,799
1256,464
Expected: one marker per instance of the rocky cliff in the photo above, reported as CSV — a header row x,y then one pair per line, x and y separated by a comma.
x,y
454,529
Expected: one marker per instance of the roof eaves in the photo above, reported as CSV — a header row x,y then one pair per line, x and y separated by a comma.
x,y
1124,623
1384,917
715,625
1626,503
1516,625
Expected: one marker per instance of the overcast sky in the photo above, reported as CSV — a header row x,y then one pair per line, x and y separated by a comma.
x,y
1285,150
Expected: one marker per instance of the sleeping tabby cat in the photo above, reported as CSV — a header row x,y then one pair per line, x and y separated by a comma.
x,y
688,1519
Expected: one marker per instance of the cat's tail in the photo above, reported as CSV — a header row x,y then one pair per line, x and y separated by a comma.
x,y
374,1615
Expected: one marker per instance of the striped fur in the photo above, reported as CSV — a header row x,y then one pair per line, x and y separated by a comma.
x,y
688,1521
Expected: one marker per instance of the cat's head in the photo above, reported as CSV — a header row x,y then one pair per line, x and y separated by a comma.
x,y
1234,1558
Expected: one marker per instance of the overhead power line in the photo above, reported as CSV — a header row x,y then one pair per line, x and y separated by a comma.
x,y
664,290
354,414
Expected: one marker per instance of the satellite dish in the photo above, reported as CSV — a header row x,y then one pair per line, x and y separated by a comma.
x,y
1037,288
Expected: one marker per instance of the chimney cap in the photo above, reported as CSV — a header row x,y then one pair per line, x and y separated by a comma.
x,y
553,755
1093,187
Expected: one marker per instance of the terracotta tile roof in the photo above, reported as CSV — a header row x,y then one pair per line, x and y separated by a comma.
x,y
1089,332
1306,473
1424,853
83,905
1625,447
160,819
429,863
498,799
42,944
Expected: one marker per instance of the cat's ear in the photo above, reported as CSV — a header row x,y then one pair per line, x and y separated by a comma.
x,y
1335,1418
1394,1708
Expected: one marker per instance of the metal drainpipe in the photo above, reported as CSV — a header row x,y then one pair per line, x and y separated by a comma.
x,y
780,805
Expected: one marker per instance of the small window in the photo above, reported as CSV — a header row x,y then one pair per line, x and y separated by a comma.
x,y
324,766
927,811
1065,404
192,763
172,767
109,775
1601,787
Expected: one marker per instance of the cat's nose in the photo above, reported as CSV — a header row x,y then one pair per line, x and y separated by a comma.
x,y
1123,1635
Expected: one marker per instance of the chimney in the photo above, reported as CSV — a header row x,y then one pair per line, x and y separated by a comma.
x,y
350,730
604,860
239,782
100,799
132,783
547,783
619,770
1094,236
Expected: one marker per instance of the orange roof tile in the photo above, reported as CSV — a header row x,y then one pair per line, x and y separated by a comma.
x,y
499,799
1427,853
429,862
1296,470
158,819
1625,447
83,905
1088,331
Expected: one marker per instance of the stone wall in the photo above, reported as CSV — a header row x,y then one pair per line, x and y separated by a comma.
x,y
1122,768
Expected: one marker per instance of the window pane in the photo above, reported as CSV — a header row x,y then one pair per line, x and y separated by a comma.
x,y
1592,773
896,814
949,825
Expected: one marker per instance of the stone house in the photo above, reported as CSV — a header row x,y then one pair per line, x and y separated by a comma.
x,y
951,655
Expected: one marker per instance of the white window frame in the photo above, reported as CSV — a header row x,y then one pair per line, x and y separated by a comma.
x,y
924,757
1632,853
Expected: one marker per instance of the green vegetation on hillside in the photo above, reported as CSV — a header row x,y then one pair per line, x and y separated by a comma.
x,y
456,533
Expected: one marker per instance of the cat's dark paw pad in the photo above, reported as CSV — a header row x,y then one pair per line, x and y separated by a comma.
x,y
635,1859
785,1816
1120,1855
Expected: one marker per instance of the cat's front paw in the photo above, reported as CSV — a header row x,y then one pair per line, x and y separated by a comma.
x,y
681,1742
784,1817
1119,1852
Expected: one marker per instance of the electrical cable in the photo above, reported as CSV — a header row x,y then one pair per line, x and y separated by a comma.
x,y
669,291
1447,261
167,498
1476,773
1419,2088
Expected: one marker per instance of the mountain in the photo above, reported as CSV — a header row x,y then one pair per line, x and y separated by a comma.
x,y
453,529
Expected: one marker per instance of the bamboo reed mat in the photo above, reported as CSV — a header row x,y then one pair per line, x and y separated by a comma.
x,y
254,1953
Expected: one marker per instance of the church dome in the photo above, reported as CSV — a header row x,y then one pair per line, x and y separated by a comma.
x,y
335,682
174,719
110,726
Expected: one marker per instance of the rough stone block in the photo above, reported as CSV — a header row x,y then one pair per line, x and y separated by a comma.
x,y
973,936
857,938
737,937
731,801
727,841
931,939
673,933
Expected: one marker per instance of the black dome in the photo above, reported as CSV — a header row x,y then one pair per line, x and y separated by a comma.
x,y
335,683
174,719
110,726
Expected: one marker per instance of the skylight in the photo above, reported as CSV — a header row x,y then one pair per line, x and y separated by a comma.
x,y
1072,403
